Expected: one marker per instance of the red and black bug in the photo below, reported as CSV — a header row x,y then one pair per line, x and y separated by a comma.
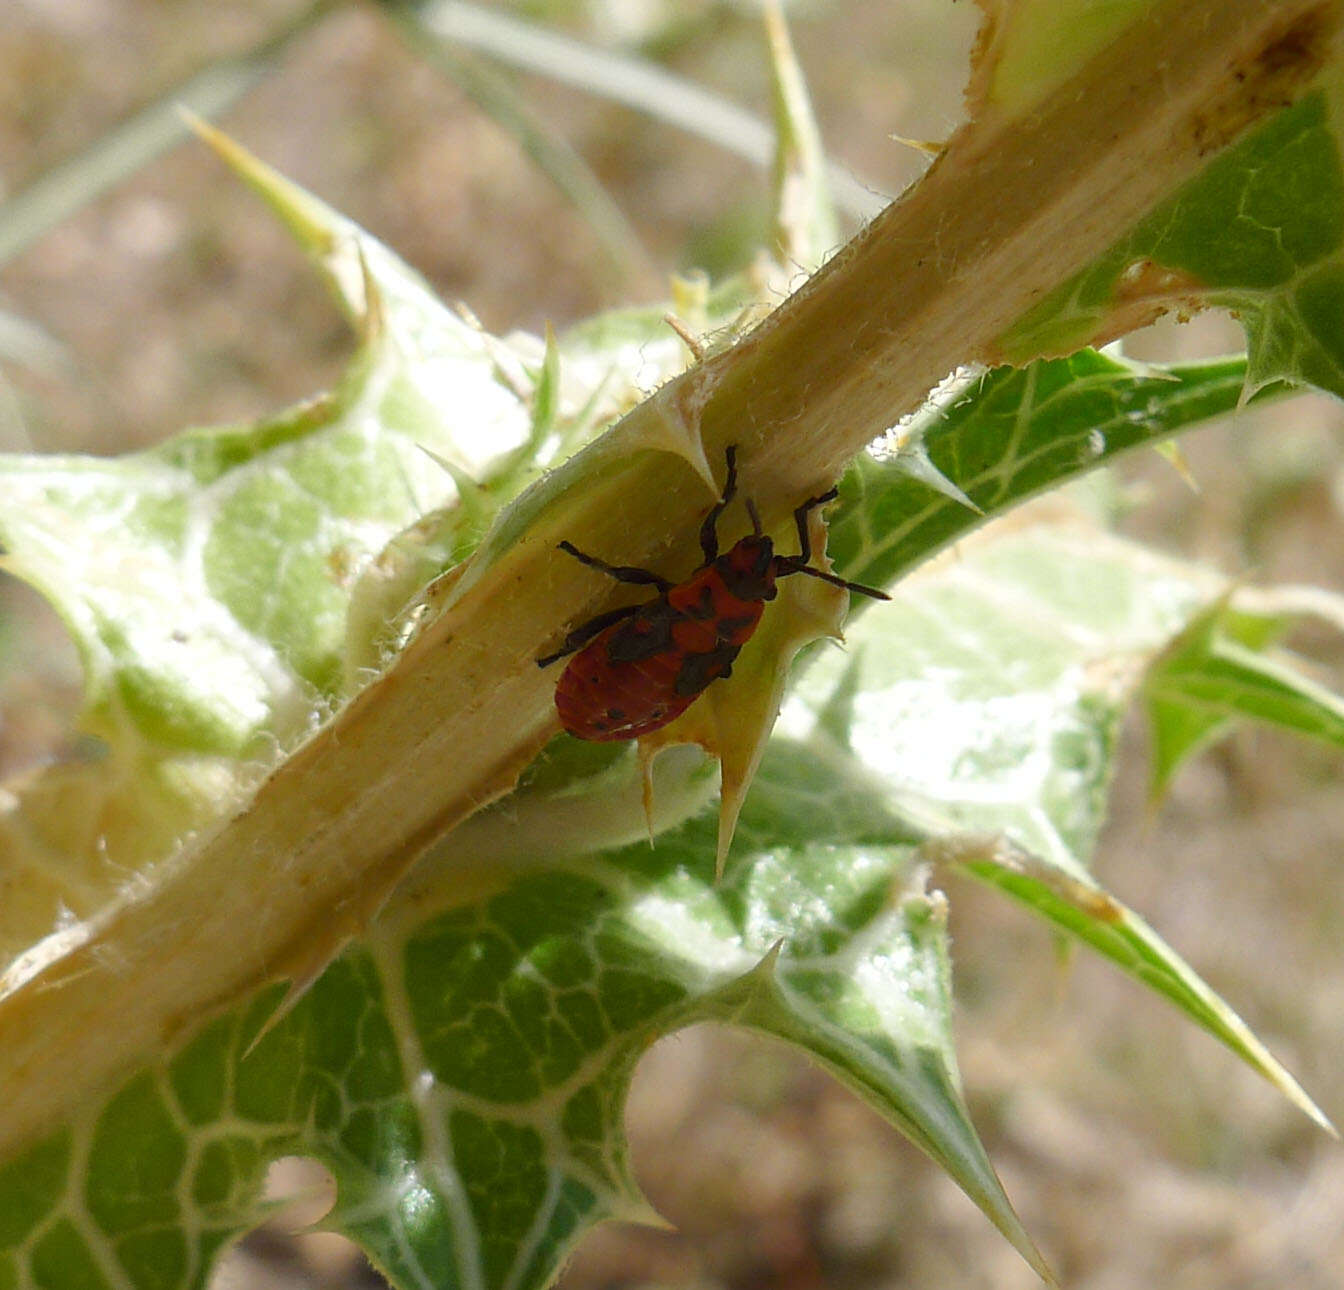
x,y
639,667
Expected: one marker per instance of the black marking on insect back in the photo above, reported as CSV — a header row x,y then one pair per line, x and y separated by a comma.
x,y
648,632
698,670
615,714
703,608
748,586
730,627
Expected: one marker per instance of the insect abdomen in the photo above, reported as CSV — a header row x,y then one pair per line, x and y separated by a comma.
x,y
604,700
638,675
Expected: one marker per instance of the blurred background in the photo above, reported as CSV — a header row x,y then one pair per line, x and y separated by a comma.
x,y
1137,1151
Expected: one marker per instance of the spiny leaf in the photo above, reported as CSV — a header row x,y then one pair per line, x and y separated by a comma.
x,y
991,700
992,439
461,1069
1218,673
1258,231
463,1073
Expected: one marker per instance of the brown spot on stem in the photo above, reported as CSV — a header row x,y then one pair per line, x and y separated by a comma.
x,y
1267,78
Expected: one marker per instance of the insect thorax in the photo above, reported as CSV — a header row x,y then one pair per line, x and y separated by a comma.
x,y
748,570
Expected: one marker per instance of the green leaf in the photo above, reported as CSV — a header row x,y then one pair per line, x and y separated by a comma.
x,y
209,584
990,704
990,695
1216,674
461,1068
212,614
1259,231
227,589
463,1073
988,440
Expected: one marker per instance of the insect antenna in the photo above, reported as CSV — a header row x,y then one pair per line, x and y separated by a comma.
x,y
788,564
755,517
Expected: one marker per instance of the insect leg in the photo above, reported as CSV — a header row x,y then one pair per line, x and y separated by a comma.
x,y
709,530
800,519
786,564
621,572
802,562
580,636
